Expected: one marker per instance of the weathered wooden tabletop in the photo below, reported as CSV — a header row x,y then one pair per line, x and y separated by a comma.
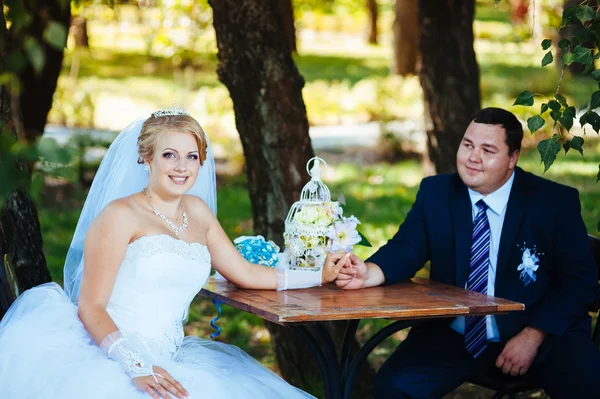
x,y
414,299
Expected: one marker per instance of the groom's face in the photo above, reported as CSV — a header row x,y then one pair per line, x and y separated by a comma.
x,y
483,161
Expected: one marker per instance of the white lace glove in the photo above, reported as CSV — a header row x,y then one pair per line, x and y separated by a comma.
x,y
134,363
294,279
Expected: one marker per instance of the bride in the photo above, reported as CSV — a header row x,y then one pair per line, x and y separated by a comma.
x,y
148,236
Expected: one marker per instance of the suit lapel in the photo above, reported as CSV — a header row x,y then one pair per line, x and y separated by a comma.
x,y
512,220
462,219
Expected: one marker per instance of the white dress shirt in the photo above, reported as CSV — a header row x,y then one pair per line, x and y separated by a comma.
x,y
496,203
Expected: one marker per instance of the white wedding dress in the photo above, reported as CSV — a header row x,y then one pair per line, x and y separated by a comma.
x,y
45,351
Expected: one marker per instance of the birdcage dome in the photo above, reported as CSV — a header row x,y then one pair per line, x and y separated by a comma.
x,y
309,220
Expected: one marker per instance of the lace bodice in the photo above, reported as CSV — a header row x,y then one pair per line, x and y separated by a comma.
x,y
157,280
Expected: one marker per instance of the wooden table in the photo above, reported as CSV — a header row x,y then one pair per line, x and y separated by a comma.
x,y
407,303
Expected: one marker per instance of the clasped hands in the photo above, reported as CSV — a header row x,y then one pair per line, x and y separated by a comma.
x,y
518,353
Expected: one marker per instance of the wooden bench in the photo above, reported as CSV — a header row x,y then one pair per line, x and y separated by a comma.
x,y
506,385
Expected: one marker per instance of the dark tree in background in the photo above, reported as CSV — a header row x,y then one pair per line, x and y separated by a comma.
x,y
449,76
289,24
256,65
373,13
406,37
24,117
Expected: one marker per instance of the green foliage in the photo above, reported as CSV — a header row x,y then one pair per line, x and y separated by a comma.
x,y
577,51
548,149
535,122
548,58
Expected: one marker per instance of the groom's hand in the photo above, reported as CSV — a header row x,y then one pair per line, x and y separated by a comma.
x,y
519,351
353,275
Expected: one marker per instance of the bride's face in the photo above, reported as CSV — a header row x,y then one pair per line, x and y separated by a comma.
x,y
176,162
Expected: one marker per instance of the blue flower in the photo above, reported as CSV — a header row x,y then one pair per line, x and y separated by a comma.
x,y
257,250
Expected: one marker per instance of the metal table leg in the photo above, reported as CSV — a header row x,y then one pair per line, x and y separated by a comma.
x,y
339,377
321,358
367,348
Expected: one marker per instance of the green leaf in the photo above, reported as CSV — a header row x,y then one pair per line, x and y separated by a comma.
x,y
554,114
566,147
584,13
535,123
561,99
548,149
548,58
35,53
568,58
596,74
554,105
568,16
583,55
591,118
544,108
363,240
563,44
525,99
577,144
56,35
566,120
546,43
595,102
597,180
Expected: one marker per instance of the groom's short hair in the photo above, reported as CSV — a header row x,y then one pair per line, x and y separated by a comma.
x,y
498,116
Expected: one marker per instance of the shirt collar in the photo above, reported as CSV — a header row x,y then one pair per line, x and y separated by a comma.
x,y
497,200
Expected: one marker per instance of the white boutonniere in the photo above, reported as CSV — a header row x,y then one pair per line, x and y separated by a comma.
x,y
529,264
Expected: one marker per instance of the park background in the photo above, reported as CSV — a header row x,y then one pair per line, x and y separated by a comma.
x,y
364,105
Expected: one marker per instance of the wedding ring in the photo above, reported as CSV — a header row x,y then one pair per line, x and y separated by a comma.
x,y
153,385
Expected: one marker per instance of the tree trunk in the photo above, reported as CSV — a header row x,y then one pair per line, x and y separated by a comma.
x,y
266,89
80,32
20,234
406,37
373,19
289,24
449,76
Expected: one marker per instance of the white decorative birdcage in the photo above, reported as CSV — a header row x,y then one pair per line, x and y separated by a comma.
x,y
308,222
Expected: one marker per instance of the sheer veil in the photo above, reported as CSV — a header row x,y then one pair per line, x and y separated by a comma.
x,y
119,175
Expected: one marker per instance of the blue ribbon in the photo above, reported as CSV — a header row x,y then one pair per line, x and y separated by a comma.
x,y
213,322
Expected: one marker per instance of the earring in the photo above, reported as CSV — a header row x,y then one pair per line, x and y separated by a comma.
x,y
146,166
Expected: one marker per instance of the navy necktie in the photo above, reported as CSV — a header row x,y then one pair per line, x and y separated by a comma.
x,y
475,326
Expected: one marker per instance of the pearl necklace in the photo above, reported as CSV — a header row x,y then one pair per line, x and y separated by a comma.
x,y
176,229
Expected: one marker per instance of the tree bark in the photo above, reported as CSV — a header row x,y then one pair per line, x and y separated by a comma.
x,y
449,76
406,37
373,12
256,66
80,32
20,234
289,24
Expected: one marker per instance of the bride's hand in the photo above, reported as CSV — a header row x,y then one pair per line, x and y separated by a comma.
x,y
166,384
333,263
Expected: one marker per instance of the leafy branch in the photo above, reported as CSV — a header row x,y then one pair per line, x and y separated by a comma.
x,y
582,48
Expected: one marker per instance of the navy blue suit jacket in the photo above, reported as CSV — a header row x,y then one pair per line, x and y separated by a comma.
x,y
539,213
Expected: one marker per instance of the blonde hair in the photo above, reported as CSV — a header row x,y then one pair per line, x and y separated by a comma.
x,y
154,127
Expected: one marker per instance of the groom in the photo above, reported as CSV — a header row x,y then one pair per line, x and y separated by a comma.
x,y
498,230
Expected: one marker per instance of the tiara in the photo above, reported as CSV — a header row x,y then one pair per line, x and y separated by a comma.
x,y
174,110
